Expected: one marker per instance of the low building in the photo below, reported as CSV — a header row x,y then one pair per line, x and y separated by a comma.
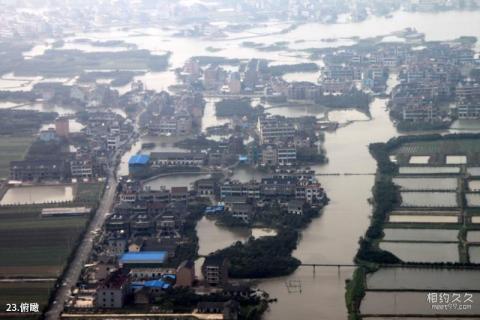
x,y
205,187
138,163
30,170
144,258
295,207
242,211
48,135
185,274
177,159
82,167
229,309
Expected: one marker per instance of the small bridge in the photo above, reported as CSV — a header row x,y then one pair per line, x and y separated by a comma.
x,y
328,265
344,174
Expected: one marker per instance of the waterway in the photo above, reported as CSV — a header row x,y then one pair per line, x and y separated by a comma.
x,y
333,237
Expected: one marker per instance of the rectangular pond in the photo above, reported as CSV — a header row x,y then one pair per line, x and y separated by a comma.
x,y
423,279
429,199
473,236
474,185
474,253
429,170
473,199
419,159
426,183
393,234
422,219
37,194
474,171
459,159
410,304
423,252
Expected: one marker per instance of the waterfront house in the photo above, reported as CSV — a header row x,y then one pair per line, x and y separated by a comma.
x,y
215,270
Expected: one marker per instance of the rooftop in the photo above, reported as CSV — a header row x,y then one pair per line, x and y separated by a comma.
x,y
144,257
139,159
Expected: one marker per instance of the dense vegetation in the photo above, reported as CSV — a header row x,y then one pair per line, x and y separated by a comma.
x,y
74,62
119,78
234,107
267,256
186,300
189,248
262,257
23,121
353,99
282,69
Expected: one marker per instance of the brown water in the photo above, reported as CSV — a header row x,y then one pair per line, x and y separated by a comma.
x,y
37,194
333,237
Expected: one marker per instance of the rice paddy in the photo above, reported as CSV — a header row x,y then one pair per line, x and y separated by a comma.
x,y
401,303
429,170
473,236
473,199
429,199
422,219
474,253
474,171
422,251
419,160
433,235
456,160
426,183
474,185
410,278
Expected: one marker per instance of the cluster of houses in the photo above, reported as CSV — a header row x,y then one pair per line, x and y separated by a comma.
x,y
59,154
433,77
291,189
135,261
173,115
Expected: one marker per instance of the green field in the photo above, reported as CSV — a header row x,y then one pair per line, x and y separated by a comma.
x,y
17,293
33,246
36,247
12,148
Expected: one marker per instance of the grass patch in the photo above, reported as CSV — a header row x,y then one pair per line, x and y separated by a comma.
x,y
13,148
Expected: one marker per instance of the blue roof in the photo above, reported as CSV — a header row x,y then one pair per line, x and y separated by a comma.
x,y
139,159
157,284
144,257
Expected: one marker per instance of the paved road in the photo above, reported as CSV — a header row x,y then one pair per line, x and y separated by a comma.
x,y
83,251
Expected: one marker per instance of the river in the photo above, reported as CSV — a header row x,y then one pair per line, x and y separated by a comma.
x,y
333,237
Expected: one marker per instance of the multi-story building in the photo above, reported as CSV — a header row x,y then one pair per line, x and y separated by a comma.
x,y
62,127
420,112
235,83
275,128
113,142
286,156
111,293
215,270
82,166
